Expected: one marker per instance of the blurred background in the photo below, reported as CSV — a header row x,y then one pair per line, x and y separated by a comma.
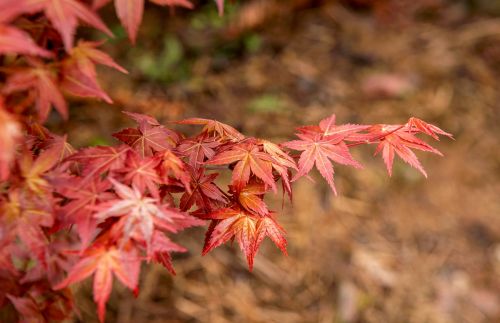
x,y
400,249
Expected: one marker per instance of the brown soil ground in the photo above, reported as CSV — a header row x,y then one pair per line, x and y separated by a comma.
x,y
400,249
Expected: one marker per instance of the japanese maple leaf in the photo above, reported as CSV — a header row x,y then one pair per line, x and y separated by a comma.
x,y
34,238
148,138
327,129
248,160
33,170
222,130
37,302
37,133
220,6
174,170
282,163
10,136
83,201
318,151
204,192
161,247
180,3
417,125
20,204
78,84
86,55
58,262
330,129
267,226
398,140
140,118
27,215
59,147
130,13
140,214
99,160
11,9
8,249
64,16
139,211
97,4
198,149
278,155
80,77
251,198
27,307
103,262
233,223
43,81
15,41
142,173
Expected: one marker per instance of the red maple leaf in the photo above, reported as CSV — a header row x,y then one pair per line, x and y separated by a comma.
x,y
10,9
204,192
64,16
10,136
161,246
179,3
97,4
321,145
98,160
103,262
76,83
248,230
399,140
16,41
43,81
198,149
24,215
31,208
140,118
142,173
249,159
6,252
267,226
59,147
251,198
28,308
282,163
417,125
149,137
86,55
173,170
137,211
33,237
223,131
220,6
80,209
130,12
33,170
37,302
140,215
328,128
233,223
78,69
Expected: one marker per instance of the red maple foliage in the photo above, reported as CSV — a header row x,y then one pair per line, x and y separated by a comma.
x,y
67,214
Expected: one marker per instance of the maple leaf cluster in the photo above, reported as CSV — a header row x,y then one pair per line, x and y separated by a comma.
x,y
68,214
